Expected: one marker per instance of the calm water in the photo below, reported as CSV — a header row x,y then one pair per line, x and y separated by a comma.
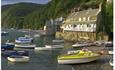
x,y
47,60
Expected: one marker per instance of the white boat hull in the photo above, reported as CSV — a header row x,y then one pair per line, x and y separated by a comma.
x,y
79,45
111,64
110,52
42,48
37,35
58,40
49,47
75,61
54,46
23,59
19,41
25,46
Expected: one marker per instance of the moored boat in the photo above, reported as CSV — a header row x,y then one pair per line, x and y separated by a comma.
x,y
26,46
25,39
22,41
80,44
4,33
54,46
18,58
111,62
110,52
37,35
7,47
78,57
43,48
58,40
49,47
14,52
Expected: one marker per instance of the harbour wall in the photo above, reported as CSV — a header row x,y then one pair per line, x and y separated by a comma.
x,y
78,36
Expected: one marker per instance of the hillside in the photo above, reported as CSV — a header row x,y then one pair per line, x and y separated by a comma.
x,y
29,15
13,15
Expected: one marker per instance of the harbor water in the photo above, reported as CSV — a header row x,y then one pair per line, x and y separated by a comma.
x,y
47,60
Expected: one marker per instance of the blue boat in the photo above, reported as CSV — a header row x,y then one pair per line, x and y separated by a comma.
x,y
3,33
14,52
24,40
7,47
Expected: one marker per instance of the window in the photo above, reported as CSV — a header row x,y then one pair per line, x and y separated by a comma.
x,y
93,18
88,25
84,19
79,19
88,18
74,25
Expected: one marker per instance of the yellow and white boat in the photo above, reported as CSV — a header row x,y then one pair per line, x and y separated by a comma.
x,y
80,56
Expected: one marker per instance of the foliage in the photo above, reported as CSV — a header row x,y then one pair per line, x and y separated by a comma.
x,y
34,16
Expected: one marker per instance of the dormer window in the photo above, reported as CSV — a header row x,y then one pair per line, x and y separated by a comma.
x,y
88,18
84,19
79,19
93,18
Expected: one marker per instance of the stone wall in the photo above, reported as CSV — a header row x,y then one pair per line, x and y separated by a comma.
x,y
77,36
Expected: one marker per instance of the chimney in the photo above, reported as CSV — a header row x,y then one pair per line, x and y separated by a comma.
x,y
78,9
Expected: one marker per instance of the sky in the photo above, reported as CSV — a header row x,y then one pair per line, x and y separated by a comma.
x,y
5,2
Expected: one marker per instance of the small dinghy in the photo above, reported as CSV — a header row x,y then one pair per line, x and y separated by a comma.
x,y
49,47
54,46
7,47
18,58
25,39
58,40
37,35
4,33
111,62
26,46
108,43
79,56
80,44
14,52
110,52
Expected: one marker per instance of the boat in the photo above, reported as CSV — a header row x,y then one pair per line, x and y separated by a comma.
x,y
98,43
80,56
9,43
58,40
110,52
108,43
49,47
111,62
43,48
37,35
7,47
54,46
25,39
80,44
14,52
18,58
12,28
26,46
72,51
4,33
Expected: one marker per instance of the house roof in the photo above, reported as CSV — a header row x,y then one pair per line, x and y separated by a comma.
x,y
84,22
84,13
